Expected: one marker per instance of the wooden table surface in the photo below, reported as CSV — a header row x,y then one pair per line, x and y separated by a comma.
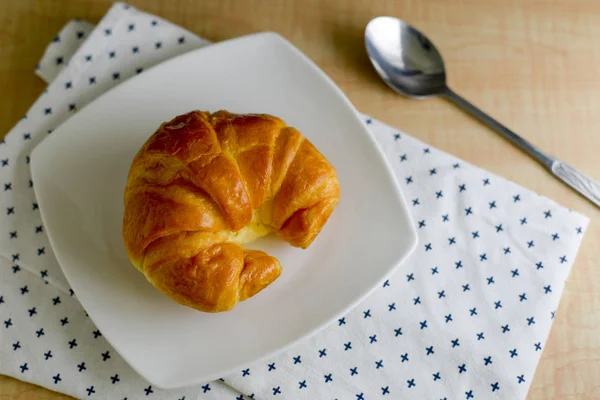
x,y
533,64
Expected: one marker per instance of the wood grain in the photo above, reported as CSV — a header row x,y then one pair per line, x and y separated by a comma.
x,y
532,63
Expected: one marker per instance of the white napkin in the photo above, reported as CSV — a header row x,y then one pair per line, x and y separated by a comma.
x,y
466,316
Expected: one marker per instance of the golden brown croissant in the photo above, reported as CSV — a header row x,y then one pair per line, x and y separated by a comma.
x,y
203,185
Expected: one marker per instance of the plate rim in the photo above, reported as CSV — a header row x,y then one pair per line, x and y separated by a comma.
x,y
412,236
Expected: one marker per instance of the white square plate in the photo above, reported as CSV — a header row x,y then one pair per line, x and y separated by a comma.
x,y
80,173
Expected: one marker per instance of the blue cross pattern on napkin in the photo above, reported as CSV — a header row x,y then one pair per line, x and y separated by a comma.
x,y
466,317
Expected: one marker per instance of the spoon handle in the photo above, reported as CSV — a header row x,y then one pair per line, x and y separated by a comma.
x,y
569,175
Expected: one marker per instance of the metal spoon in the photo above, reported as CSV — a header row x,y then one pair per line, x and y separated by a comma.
x,y
411,65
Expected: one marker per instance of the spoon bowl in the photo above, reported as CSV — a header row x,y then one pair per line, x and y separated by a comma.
x,y
406,59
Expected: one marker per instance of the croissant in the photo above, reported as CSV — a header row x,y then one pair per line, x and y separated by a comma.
x,y
205,184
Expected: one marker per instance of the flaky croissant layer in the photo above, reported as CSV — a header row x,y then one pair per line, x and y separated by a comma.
x,y
205,184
